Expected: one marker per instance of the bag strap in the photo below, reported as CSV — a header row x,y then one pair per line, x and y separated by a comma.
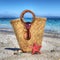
x,y
25,11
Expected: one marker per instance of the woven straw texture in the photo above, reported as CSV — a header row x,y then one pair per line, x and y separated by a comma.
x,y
36,30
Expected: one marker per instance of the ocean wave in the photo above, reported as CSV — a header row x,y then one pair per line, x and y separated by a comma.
x,y
52,25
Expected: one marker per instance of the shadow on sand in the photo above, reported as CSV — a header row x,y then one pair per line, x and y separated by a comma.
x,y
13,49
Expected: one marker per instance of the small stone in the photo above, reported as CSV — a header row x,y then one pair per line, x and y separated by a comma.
x,y
19,52
52,50
15,53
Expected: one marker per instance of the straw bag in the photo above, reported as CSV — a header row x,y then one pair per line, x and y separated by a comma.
x,y
28,33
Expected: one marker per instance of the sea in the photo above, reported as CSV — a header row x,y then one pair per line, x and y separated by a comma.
x,y
52,24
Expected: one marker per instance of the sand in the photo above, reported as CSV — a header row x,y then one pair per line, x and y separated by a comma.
x,y
50,48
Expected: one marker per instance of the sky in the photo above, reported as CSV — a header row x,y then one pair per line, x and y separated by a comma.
x,y
39,7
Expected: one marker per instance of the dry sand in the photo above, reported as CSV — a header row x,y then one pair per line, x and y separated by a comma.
x,y
50,48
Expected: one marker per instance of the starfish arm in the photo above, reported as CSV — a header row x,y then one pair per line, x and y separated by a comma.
x,y
33,51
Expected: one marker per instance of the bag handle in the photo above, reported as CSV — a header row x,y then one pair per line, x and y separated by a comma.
x,y
25,11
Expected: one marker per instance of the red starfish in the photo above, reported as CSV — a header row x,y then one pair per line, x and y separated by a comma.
x,y
36,48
